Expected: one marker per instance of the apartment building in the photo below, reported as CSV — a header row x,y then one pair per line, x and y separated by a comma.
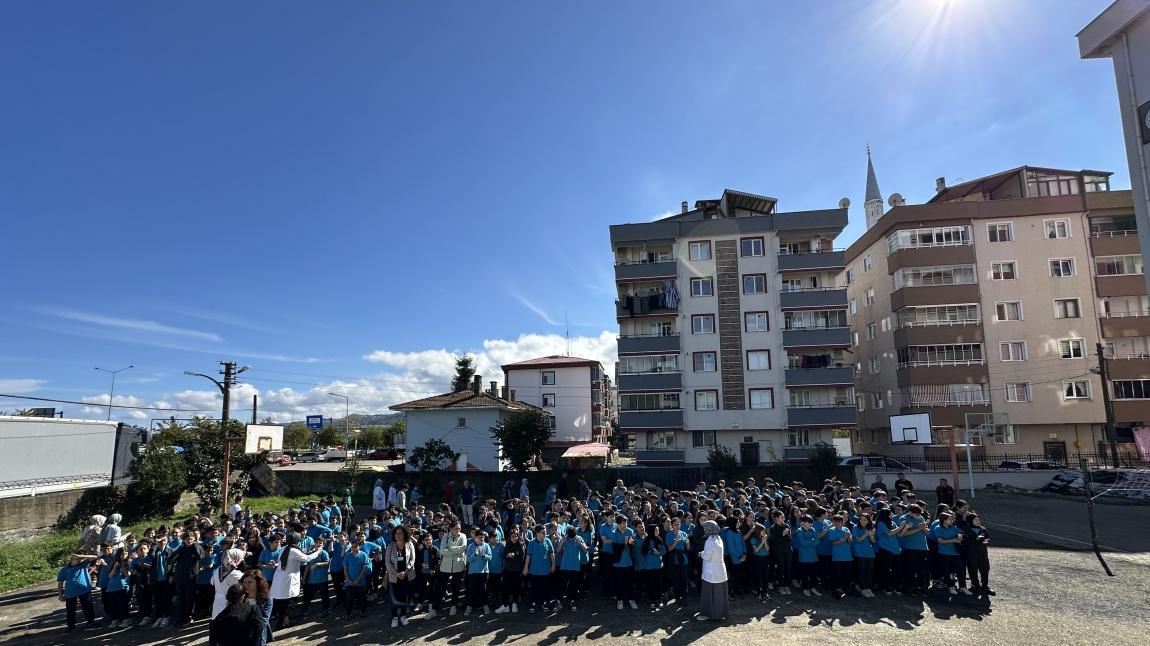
x,y
576,391
732,331
986,304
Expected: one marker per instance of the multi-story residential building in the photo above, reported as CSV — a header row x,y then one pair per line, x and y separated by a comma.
x,y
576,391
991,299
732,331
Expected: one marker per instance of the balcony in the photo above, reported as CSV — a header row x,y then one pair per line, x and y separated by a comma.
x,y
659,456
813,298
1123,242
652,343
651,381
1132,411
639,419
1128,366
635,306
934,295
943,332
942,372
816,261
1124,285
636,271
817,337
830,376
947,415
959,254
843,415
1120,326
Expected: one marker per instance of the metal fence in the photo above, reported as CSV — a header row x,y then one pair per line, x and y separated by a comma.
x,y
1026,461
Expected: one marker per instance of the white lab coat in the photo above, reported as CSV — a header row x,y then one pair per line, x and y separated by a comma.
x,y
379,498
714,570
222,585
286,582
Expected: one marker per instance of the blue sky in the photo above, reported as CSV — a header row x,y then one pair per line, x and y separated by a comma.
x,y
343,195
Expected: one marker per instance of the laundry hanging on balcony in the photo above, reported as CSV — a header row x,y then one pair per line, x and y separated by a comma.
x,y
671,293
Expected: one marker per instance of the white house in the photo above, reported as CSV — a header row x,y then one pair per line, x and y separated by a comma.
x,y
463,420
574,390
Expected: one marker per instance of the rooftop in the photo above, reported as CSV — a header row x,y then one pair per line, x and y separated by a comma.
x,y
553,361
465,399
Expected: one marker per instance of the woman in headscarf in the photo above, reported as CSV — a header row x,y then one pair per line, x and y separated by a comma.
x,y
228,574
286,583
713,602
90,539
112,535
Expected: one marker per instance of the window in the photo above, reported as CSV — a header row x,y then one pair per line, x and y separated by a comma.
x,y
1004,434
1000,232
702,439
756,321
860,403
1076,389
762,398
1067,308
704,361
937,275
1062,267
802,319
854,307
1131,389
660,440
876,401
549,422
855,338
1012,350
938,315
1056,229
798,437
1045,184
792,285
649,401
461,422
749,247
703,324
1071,348
706,400
755,284
957,354
868,297
758,359
1118,265
648,363
702,287
700,250
858,369
867,263
850,275
1003,271
871,331
1017,391
945,395
875,365
928,237
789,248
1008,311
548,377
548,400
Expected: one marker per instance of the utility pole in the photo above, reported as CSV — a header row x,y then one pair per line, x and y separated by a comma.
x,y
229,372
255,405
1104,372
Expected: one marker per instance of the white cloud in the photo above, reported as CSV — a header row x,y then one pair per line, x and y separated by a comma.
x,y
534,308
138,325
20,386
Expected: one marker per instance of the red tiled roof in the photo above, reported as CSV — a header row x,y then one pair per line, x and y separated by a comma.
x,y
464,399
554,361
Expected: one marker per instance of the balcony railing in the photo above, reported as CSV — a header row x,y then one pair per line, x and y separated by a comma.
x,y
922,403
647,336
1119,233
1127,355
906,324
1122,315
784,252
891,248
942,362
793,290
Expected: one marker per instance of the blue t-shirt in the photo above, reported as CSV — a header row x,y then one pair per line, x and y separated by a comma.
x,y
569,552
652,560
207,564
117,579
824,546
478,558
807,541
318,573
916,541
315,531
946,549
606,530
619,538
496,564
337,552
863,549
588,536
160,565
759,547
354,564
841,551
733,544
679,554
76,579
887,542
540,553
270,556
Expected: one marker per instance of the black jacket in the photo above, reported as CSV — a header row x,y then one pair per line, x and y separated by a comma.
x,y
514,556
184,563
975,543
432,555
240,624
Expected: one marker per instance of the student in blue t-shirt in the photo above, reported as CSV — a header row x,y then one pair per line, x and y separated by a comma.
x,y
478,556
622,570
949,537
586,531
356,570
822,525
842,560
336,548
914,550
495,567
538,567
888,553
735,551
806,542
315,576
571,551
115,597
677,559
74,585
862,546
270,557
760,561
652,551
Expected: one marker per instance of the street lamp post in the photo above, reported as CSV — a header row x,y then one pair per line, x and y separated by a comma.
x,y
346,414
112,390
229,372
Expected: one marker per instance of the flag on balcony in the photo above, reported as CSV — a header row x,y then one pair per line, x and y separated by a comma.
x,y
672,294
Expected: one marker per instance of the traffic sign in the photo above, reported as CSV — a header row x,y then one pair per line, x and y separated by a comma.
x,y
315,422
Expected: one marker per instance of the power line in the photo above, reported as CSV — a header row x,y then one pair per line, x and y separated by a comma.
x,y
96,404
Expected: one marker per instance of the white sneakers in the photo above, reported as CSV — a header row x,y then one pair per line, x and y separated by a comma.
x,y
431,613
634,606
815,591
395,622
514,607
466,611
162,623
454,610
146,621
619,605
867,593
502,610
403,620
806,593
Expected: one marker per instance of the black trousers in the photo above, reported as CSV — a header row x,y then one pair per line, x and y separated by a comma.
x,y
653,584
115,604
864,572
280,610
808,573
400,592
915,570
476,590
512,591
678,572
540,588
887,573
85,602
424,587
841,575
761,573
162,599
494,587
781,567
144,599
205,595
311,591
185,600
623,581
570,585
979,567
356,596
337,587
450,584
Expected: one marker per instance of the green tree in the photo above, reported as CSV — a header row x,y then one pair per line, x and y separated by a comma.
x,y
464,373
160,477
296,436
432,455
521,437
824,458
372,437
329,436
203,444
722,460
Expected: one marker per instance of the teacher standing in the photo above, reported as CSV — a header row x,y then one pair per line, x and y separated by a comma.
x,y
713,602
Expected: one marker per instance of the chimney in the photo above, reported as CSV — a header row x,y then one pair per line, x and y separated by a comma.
x,y
684,207
512,398
494,389
477,384
504,395
940,184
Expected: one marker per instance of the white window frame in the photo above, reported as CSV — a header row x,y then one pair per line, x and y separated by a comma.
x,y
868,297
867,263
1011,393
874,365
1007,435
752,240
1055,221
1058,262
1071,343
757,315
853,306
757,280
548,397
1077,308
764,353
695,249
703,317
703,280
715,393
1006,310
714,364
543,378
703,439
871,331
751,392
997,226
876,401
850,275
1074,383
1006,351
999,267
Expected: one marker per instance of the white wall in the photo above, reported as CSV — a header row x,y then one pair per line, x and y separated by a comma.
x,y
572,390
474,439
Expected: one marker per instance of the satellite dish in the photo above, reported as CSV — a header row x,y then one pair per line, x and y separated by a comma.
x,y
896,199
844,203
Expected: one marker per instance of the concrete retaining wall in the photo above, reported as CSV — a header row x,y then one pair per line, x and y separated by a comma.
x,y
32,513
928,480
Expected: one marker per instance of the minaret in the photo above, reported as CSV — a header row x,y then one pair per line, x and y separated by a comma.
x,y
873,202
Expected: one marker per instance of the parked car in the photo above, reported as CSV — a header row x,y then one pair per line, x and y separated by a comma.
x,y
334,455
1029,465
284,460
876,464
308,456
383,454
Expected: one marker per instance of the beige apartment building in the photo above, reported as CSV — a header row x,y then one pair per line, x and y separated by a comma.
x,y
985,305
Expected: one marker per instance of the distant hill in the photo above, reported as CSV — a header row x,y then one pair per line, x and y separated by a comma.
x,y
355,420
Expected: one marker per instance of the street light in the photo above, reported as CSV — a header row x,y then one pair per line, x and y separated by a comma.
x,y
229,372
112,390
346,414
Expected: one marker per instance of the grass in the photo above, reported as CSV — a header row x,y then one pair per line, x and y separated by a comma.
x,y
37,560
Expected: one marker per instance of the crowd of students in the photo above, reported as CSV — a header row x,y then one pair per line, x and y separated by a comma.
x,y
252,574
